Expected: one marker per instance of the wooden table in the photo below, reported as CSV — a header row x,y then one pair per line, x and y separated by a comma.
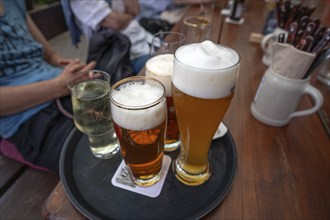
x,y
283,172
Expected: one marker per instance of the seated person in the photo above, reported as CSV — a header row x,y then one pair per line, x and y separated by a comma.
x,y
91,16
166,9
32,77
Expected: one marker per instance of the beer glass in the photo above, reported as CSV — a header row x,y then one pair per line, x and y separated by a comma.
x,y
91,110
203,83
196,28
160,67
138,108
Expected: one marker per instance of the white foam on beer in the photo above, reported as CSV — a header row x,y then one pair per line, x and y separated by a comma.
x,y
134,95
160,67
161,64
205,70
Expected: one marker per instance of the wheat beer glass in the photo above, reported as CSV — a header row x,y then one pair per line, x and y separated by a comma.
x,y
203,83
160,67
91,110
138,108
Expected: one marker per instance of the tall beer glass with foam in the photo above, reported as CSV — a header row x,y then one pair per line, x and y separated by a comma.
x,y
160,67
138,108
203,83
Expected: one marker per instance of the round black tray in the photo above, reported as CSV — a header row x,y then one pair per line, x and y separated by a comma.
x,y
87,183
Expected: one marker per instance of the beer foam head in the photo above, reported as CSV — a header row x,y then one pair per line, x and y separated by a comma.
x,y
160,67
206,55
134,105
206,70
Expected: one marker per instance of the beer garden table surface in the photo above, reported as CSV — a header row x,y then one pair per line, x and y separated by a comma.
x,y
282,172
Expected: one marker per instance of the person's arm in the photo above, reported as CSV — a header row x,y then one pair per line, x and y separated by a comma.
x,y
97,13
51,56
20,98
132,7
117,21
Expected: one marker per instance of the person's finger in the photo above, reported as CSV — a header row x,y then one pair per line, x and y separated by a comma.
x,y
77,67
91,65
63,61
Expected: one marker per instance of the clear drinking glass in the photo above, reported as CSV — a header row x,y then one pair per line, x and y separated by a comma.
x,y
201,97
160,67
138,108
196,28
91,110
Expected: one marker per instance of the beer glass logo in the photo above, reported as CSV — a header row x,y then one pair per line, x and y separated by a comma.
x,y
102,112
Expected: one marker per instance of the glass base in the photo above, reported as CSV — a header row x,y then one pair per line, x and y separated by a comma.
x,y
190,179
147,182
104,146
105,152
171,146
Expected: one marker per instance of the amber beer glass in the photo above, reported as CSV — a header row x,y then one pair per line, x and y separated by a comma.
x,y
138,108
160,67
203,83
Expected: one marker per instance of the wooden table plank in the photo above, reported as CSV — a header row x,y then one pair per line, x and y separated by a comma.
x,y
25,198
60,206
8,168
283,173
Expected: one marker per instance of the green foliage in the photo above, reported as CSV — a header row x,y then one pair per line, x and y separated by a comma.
x,y
44,2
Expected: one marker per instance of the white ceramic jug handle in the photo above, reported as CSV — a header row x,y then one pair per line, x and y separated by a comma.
x,y
265,40
317,100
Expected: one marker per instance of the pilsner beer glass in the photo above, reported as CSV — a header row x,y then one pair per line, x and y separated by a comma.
x,y
91,110
203,83
160,67
138,108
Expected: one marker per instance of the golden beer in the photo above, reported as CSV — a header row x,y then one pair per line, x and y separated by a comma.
x,y
138,108
203,83
198,121
160,67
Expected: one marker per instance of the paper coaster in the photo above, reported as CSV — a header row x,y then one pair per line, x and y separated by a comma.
x,y
122,180
230,21
221,131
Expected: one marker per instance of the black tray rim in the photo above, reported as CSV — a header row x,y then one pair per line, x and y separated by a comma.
x,y
85,212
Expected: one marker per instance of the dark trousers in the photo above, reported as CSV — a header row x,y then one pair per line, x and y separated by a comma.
x,y
41,138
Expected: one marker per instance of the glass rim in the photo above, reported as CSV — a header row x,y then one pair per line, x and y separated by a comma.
x,y
290,80
186,22
168,32
134,107
210,70
180,40
79,74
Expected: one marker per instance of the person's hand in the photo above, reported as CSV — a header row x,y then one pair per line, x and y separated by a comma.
x,y
58,60
132,7
117,21
72,68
